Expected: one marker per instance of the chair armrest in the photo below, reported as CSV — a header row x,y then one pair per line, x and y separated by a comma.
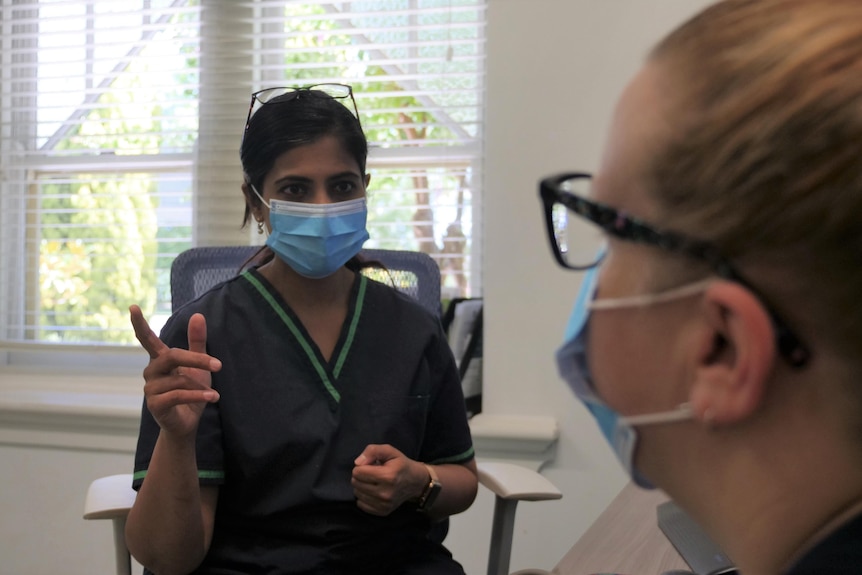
x,y
109,497
512,481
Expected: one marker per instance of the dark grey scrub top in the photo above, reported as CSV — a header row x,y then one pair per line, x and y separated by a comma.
x,y
281,441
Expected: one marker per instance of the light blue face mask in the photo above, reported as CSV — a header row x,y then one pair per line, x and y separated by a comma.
x,y
316,239
574,368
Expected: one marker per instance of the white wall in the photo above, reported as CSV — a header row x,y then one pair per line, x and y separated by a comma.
x,y
555,68
42,501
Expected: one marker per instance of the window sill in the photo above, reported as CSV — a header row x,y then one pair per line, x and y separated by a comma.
x,y
47,409
102,412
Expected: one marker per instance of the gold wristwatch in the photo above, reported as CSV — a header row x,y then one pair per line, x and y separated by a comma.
x,y
432,490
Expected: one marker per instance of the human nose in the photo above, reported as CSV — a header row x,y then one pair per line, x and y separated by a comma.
x,y
319,195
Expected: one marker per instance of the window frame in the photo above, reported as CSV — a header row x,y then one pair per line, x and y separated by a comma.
x,y
217,20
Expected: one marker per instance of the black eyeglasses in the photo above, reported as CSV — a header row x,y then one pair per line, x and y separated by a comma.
x,y
576,242
335,91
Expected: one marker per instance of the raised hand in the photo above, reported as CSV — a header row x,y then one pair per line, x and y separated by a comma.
x,y
178,382
384,478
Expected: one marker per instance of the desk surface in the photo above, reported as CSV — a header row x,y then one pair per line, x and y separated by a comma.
x,y
624,539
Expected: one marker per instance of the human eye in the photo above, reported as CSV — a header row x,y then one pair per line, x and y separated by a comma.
x,y
343,189
292,191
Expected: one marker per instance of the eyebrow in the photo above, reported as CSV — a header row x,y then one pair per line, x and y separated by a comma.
x,y
305,180
344,174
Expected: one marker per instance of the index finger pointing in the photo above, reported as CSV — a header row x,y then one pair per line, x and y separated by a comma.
x,y
149,340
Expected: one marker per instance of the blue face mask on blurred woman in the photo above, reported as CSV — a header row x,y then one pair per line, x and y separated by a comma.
x,y
574,368
316,239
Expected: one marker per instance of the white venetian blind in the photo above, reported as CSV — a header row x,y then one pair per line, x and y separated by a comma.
x,y
121,124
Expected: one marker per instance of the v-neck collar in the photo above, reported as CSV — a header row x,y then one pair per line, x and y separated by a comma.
x,y
327,371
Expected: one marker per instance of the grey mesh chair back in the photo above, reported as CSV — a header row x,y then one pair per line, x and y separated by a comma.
x,y
413,273
196,270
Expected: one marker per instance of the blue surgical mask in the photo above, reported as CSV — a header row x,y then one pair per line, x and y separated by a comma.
x,y
316,239
574,368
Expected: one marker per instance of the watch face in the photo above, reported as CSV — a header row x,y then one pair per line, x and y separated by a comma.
x,y
432,495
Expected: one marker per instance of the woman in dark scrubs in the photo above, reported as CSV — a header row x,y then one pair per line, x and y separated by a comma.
x,y
300,418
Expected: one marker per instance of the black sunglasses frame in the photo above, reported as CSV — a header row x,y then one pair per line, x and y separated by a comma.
x,y
298,91
628,228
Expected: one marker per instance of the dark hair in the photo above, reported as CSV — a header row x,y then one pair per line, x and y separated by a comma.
x,y
293,120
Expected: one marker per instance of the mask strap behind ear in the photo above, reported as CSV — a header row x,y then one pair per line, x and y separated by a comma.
x,y
683,412
256,193
651,298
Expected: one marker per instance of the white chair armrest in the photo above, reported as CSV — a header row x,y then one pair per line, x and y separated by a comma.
x,y
512,481
109,497
510,484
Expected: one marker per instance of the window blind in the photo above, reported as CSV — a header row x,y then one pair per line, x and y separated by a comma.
x,y
121,125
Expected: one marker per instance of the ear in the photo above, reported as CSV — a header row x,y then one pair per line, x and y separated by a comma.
x,y
367,179
736,355
252,202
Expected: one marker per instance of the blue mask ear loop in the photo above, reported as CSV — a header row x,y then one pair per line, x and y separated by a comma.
x,y
581,311
256,193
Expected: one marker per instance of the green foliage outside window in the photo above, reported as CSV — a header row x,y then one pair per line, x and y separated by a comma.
x,y
102,247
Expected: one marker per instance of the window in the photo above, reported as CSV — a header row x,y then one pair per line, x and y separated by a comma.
x,y
121,124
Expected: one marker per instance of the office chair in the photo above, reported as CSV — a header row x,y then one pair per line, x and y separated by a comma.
x,y
111,497
198,269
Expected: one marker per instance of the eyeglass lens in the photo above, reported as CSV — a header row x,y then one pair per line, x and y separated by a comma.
x,y
578,239
333,90
336,91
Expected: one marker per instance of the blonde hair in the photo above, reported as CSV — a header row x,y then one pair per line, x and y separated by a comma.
x,y
766,160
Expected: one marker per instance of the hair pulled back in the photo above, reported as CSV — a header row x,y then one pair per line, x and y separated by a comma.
x,y
765,158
